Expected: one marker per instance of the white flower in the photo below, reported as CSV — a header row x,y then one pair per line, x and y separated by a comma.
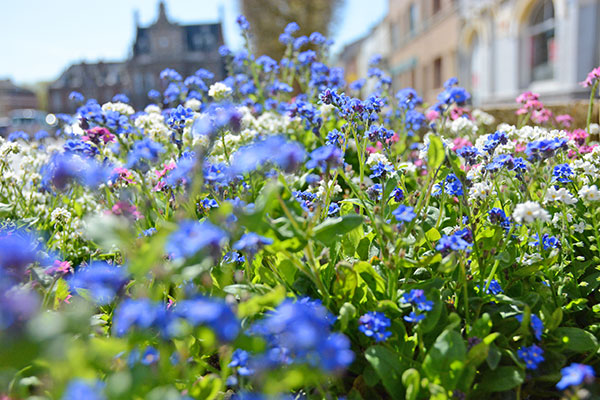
x,y
589,193
219,90
376,158
194,104
594,129
152,109
121,108
580,227
561,194
60,215
530,211
480,190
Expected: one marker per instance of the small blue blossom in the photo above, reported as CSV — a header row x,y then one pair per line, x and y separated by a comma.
x,y
150,356
382,171
404,213
193,237
100,280
414,318
79,389
562,173
325,157
334,209
397,194
575,375
374,324
251,243
536,324
375,192
239,360
532,356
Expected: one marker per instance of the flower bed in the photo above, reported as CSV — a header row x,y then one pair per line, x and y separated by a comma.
x,y
242,239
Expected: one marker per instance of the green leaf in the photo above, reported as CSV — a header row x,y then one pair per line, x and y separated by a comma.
x,y
445,360
347,313
412,380
366,271
435,153
259,303
327,231
502,379
493,357
387,363
363,248
433,235
576,339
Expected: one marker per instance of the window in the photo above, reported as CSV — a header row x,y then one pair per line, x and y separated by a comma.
x,y
412,19
437,6
395,34
437,72
540,41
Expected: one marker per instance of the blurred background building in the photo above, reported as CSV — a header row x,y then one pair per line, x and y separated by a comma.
x,y
164,44
497,48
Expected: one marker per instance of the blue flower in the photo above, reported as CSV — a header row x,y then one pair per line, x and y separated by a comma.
x,y
382,170
170,75
149,232
239,360
233,257
100,280
334,209
374,324
494,287
375,192
545,148
307,57
65,168
404,213
144,151
40,135
213,313
300,332
536,324
14,136
292,27
299,42
243,23
454,242
120,98
79,389
562,173
325,157
76,97
178,117
379,133
498,216
397,194
532,356
194,236
451,185
357,84
408,98
141,313
574,375
267,64
414,317
18,249
150,356
413,120
335,138
251,243
469,153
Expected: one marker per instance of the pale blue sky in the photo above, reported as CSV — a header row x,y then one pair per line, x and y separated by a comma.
x,y
40,38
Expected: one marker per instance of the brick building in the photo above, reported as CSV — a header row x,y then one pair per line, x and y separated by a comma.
x,y
164,44
13,97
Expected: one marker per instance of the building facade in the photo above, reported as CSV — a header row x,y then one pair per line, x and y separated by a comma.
x,y
512,46
423,49
164,44
13,97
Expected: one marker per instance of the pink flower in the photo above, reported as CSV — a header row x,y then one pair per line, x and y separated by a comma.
x,y
541,116
460,142
98,133
527,96
592,76
565,120
126,210
62,267
378,147
458,112
124,174
432,115
520,147
578,136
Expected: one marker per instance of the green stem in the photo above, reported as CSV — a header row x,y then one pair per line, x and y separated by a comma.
x,y
591,107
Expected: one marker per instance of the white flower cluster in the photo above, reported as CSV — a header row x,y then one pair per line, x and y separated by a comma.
x,y
219,91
